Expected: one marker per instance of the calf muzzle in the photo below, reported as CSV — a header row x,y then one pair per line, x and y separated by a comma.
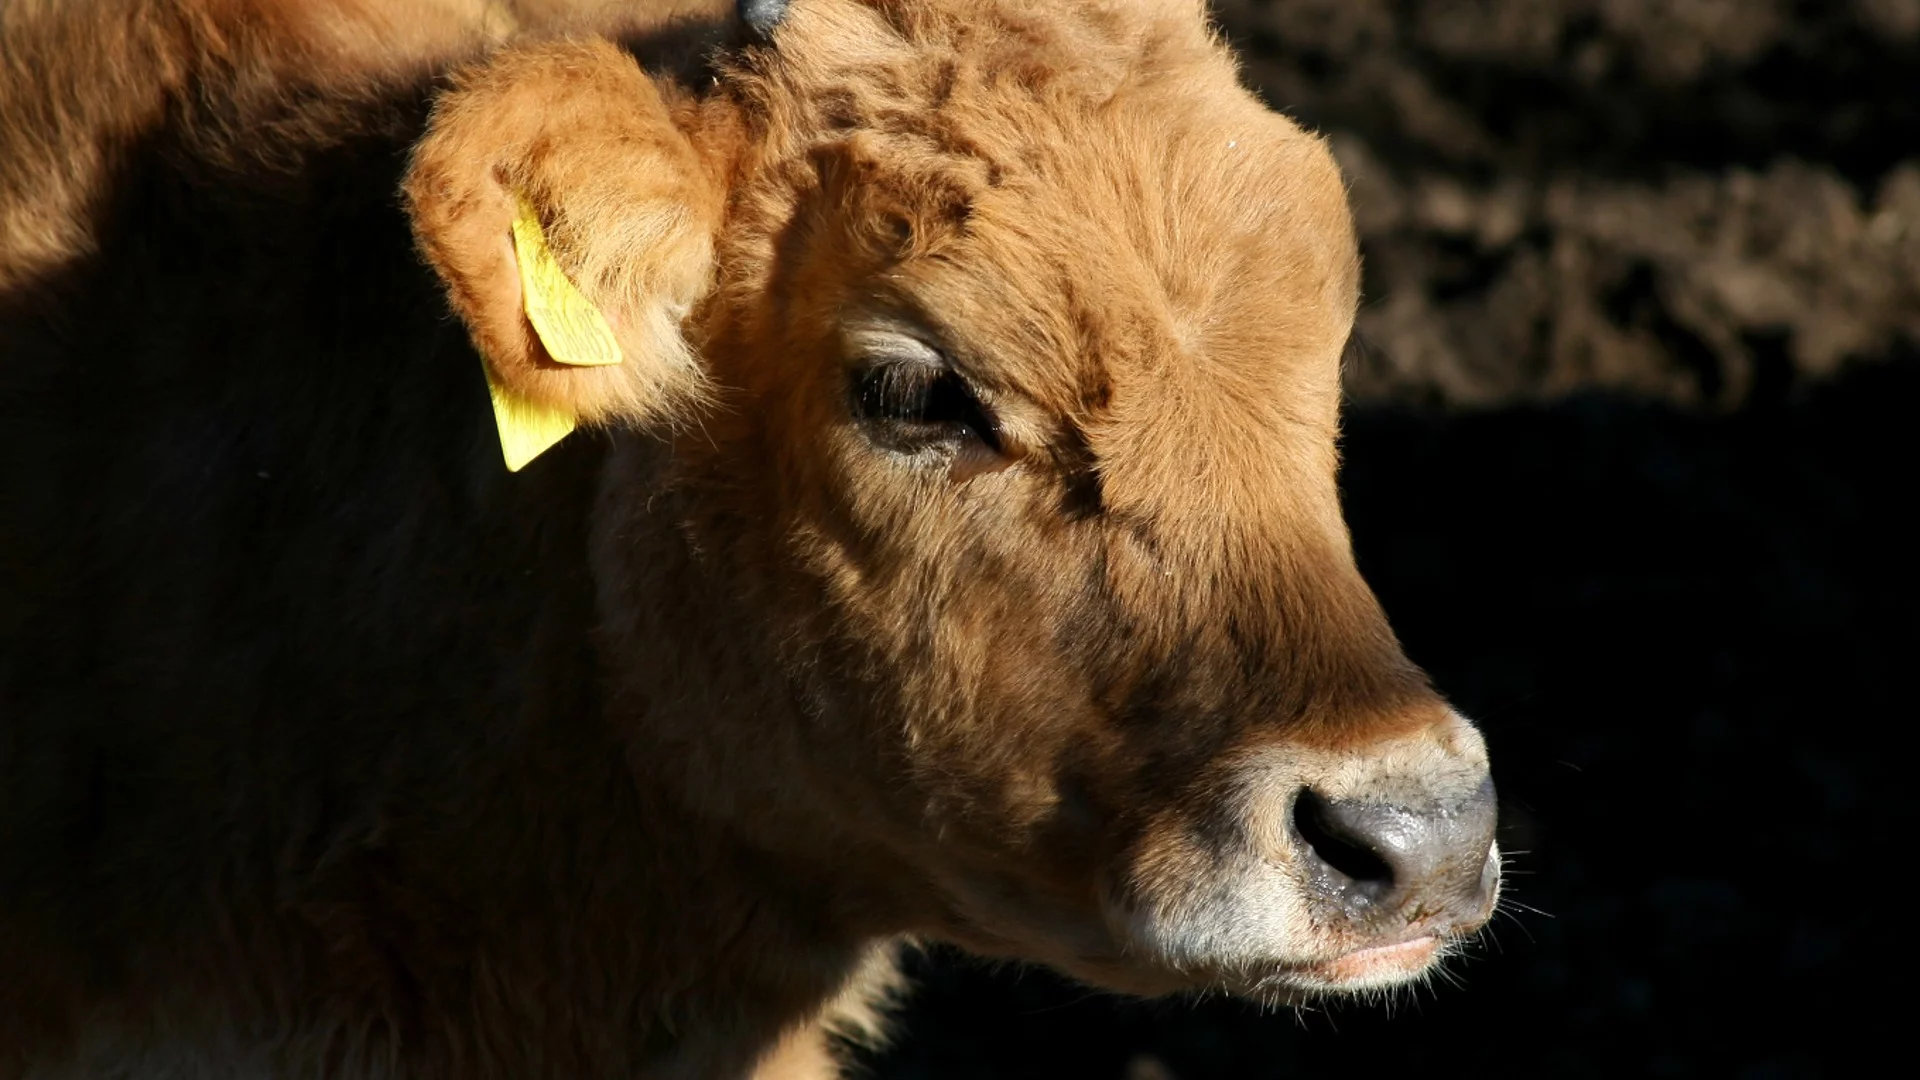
x,y
1390,868
1336,868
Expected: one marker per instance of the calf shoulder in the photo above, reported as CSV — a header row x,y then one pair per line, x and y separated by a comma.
x,y
301,746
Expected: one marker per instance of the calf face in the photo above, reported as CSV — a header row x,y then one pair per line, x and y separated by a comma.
x,y
995,347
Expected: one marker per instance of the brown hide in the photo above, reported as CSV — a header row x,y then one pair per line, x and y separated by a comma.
x,y
955,553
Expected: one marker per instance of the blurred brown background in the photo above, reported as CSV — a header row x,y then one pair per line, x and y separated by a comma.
x,y
1629,463
1687,200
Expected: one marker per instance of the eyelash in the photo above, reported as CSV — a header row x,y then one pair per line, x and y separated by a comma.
x,y
907,404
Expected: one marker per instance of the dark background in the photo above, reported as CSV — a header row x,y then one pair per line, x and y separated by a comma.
x,y
1630,455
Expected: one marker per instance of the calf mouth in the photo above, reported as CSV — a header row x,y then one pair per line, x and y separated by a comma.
x,y
1251,929
1274,981
1359,970
1374,966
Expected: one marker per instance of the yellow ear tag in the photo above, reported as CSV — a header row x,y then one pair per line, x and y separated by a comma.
x,y
527,428
572,329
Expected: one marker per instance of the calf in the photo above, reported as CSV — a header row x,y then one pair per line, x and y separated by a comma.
x,y
947,544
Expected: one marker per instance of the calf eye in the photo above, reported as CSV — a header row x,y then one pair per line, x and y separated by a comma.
x,y
906,405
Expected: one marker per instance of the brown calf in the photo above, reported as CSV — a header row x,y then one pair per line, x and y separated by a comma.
x,y
953,549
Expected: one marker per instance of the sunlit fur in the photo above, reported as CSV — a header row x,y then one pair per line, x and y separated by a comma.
x,y
352,756
585,136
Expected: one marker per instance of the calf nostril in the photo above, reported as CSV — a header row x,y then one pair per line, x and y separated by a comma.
x,y
1429,860
1341,848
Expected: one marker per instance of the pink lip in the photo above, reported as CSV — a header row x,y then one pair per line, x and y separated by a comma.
x,y
1367,965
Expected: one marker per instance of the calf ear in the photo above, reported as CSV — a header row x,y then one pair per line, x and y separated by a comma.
x,y
572,222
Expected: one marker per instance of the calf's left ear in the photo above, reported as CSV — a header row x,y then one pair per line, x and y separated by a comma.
x,y
572,221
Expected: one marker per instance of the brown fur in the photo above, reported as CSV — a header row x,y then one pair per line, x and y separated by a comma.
x,y
335,751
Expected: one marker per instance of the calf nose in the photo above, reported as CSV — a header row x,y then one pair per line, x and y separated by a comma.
x,y
1432,864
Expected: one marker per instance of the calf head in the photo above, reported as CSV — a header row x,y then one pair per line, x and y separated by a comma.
x,y
995,350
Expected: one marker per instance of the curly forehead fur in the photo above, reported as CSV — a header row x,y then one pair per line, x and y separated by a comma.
x,y
1123,236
